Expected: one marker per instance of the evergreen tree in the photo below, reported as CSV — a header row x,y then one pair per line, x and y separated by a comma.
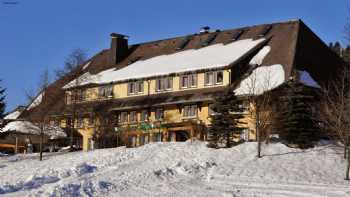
x,y
337,48
297,122
226,120
2,102
346,54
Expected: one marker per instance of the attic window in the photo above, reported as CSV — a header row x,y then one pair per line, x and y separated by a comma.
x,y
237,35
210,39
265,31
183,43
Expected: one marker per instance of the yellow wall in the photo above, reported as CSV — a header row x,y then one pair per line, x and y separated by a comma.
x,y
120,89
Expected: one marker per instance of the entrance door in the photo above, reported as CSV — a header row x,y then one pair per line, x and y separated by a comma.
x,y
182,136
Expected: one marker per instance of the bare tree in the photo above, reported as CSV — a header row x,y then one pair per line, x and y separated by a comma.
x,y
335,112
42,99
76,58
259,97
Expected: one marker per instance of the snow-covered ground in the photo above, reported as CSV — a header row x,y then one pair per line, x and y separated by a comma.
x,y
178,169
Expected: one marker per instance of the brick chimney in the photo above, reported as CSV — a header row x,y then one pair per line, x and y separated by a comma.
x,y
119,48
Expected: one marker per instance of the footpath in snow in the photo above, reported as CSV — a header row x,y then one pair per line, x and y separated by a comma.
x,y
178,169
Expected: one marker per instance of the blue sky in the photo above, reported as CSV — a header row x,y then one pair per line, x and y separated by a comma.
x,y
39,34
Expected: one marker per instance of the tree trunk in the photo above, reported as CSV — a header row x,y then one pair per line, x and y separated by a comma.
x,y
347,167
257,130
228,144
41,145
345,148
16,147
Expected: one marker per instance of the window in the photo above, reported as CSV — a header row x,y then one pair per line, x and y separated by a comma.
x,y
144,115
214,78
133,116
209,78
68,97
193,80
157,137
105,91
188,81
131,88
163,84
123,117
76,95
159,114
219,77
184,81
190,111
135,87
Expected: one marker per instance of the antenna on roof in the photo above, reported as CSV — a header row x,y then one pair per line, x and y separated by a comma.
x,y
183,43
265,31
210,39
237,34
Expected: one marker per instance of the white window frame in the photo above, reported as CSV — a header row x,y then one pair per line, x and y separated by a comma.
x,y
105,91
164,84
208,81
144,115
162,114
190,111
188,81
135,87
211,78
123,117
216,73
133,116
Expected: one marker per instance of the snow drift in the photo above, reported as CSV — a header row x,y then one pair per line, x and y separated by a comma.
x,y
178,169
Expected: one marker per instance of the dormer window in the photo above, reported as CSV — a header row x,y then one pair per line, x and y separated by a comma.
x,y
135,87
105,91
164,84
214,78
188,81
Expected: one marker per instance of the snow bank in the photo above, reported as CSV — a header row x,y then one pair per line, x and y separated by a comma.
x,y
212,56
306,79
27,127
263,78
179,169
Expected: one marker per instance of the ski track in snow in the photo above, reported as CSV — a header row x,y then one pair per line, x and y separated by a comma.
x,y
179,169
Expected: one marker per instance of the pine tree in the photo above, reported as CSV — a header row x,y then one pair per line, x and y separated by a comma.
x,y
346,54
337,48
297,122
226,120
2,102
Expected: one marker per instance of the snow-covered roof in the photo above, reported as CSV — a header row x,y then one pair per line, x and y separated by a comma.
x,y
213,56
306,79
86,65
21,127
262,79
259,57
13,115
27,127
36,101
